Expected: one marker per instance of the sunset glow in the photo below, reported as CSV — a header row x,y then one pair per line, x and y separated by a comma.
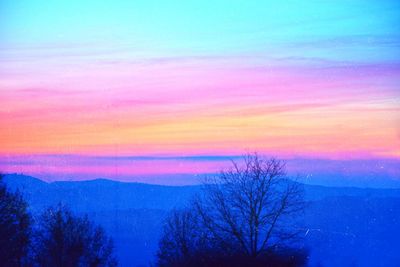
x,y
180,80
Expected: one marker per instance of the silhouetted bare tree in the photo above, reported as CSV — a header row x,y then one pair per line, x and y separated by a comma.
x,y
66,240
246,216
15,227
251,207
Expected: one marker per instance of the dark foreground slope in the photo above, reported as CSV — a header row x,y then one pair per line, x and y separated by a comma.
x,y
347,226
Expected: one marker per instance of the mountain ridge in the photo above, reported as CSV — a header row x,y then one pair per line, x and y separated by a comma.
x,y
348,226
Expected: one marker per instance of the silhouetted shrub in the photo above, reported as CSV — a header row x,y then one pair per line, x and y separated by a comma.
x,y
219,258
65,240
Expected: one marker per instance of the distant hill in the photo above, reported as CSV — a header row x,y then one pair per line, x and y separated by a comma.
x,y
100,194
347,226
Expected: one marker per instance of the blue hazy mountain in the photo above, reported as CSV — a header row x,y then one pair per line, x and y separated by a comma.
x,y
347,226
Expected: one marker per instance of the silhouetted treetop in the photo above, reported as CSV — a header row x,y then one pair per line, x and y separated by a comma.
x,y
66,240
15,227
250,206
246,214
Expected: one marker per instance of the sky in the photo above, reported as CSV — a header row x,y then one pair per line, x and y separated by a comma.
x,y
124,89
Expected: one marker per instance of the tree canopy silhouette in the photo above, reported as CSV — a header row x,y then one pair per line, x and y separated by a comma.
x,y
15,227
248,213
65,240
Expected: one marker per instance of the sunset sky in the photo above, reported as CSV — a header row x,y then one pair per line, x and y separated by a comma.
x,y
121,89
